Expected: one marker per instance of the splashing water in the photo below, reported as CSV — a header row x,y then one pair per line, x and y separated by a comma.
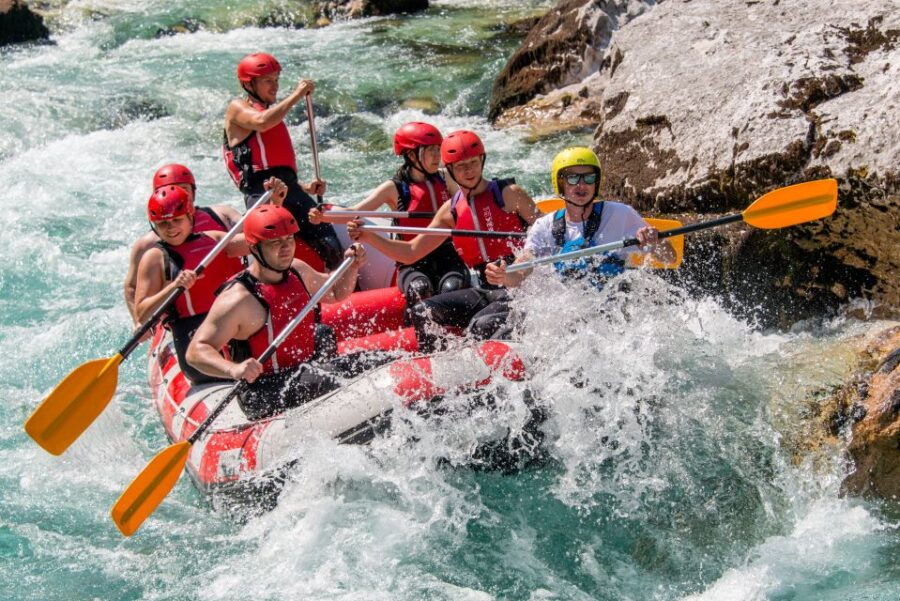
x,y
664,473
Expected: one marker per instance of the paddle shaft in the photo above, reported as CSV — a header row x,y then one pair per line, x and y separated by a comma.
x,y
310,119
436,231
351,214
266,354
135,340
593,250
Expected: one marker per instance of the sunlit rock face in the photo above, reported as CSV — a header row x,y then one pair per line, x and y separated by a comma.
x,y
699,106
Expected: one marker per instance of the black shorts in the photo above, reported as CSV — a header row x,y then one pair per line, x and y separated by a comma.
x,y
438,265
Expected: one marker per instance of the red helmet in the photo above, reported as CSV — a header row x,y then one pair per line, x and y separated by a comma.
x,y
267,223
413,135
169,202
257,65
173,173
461,145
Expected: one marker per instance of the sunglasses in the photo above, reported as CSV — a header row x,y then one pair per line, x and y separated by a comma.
x,y
573,178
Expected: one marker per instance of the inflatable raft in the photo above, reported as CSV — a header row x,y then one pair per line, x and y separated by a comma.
x,y
238,454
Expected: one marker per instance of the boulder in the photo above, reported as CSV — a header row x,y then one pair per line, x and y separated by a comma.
x,y
354,9
875,441
700,106
19,24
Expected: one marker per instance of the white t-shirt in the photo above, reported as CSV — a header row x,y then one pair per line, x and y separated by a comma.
x,y
618,221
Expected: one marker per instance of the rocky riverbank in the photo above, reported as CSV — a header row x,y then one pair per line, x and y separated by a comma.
x,y
19,24
699,106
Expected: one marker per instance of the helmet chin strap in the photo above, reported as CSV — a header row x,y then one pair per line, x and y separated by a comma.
x,y
252,94
257,253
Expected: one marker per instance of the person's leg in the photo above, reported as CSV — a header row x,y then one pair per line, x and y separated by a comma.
x,y
322,237
414,284
452,309
275,393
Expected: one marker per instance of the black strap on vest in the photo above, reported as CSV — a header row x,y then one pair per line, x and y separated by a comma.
x,y
215,217
590,226
403,194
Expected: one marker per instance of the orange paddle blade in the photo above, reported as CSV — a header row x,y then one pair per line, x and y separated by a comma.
x,y
793,205
151,486
677,242
548,205
74,404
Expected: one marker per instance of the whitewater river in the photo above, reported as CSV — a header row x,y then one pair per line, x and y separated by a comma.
x,y
667,477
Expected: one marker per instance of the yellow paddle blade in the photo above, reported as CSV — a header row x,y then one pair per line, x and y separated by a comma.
x,y
793,204
677,242
74,404
151,486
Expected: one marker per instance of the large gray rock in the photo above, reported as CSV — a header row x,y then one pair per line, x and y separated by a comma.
x,y
703,105
19,24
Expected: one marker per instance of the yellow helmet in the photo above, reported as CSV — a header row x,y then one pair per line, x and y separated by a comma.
x,y
570,157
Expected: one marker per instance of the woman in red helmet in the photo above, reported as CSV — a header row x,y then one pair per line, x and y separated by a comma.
x,y
417,186
171,262
258,146
253,308
215,218
489,205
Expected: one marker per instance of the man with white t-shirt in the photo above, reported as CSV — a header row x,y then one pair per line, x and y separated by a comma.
x,y
583,223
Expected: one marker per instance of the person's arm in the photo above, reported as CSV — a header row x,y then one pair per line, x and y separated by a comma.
x,y
385,194
313,280
519,201
406,252
243,116
140,246
228,215
151,289
232,312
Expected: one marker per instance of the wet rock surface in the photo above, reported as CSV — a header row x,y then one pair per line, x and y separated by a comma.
x,y
699,107
875,411
19,24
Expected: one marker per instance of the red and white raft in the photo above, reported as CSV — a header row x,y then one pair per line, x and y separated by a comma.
x,y
236,450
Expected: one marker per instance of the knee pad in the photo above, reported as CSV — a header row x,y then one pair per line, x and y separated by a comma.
x,y
418,289
452,281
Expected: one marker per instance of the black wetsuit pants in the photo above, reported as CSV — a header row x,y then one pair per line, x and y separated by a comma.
x,y
322,238
483,312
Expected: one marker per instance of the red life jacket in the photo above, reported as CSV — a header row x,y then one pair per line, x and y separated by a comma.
x,y
188,255
487,216
282,302
259,151
426,195
206,220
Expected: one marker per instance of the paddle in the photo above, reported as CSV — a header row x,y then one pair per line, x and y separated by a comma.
x,y
779,208
351,214
436,231
153,484
83,395
312,140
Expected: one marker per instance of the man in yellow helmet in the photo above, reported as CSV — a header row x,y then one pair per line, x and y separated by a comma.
x,y
576,175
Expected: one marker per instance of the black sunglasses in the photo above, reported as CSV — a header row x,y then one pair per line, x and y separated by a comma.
x,y
573,178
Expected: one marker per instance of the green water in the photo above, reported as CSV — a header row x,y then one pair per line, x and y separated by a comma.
x,y
666,477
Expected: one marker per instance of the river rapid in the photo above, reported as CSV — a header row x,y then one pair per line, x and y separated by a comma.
x,y
666,474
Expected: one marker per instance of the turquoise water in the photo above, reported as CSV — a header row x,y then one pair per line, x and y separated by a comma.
x,y
667,477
